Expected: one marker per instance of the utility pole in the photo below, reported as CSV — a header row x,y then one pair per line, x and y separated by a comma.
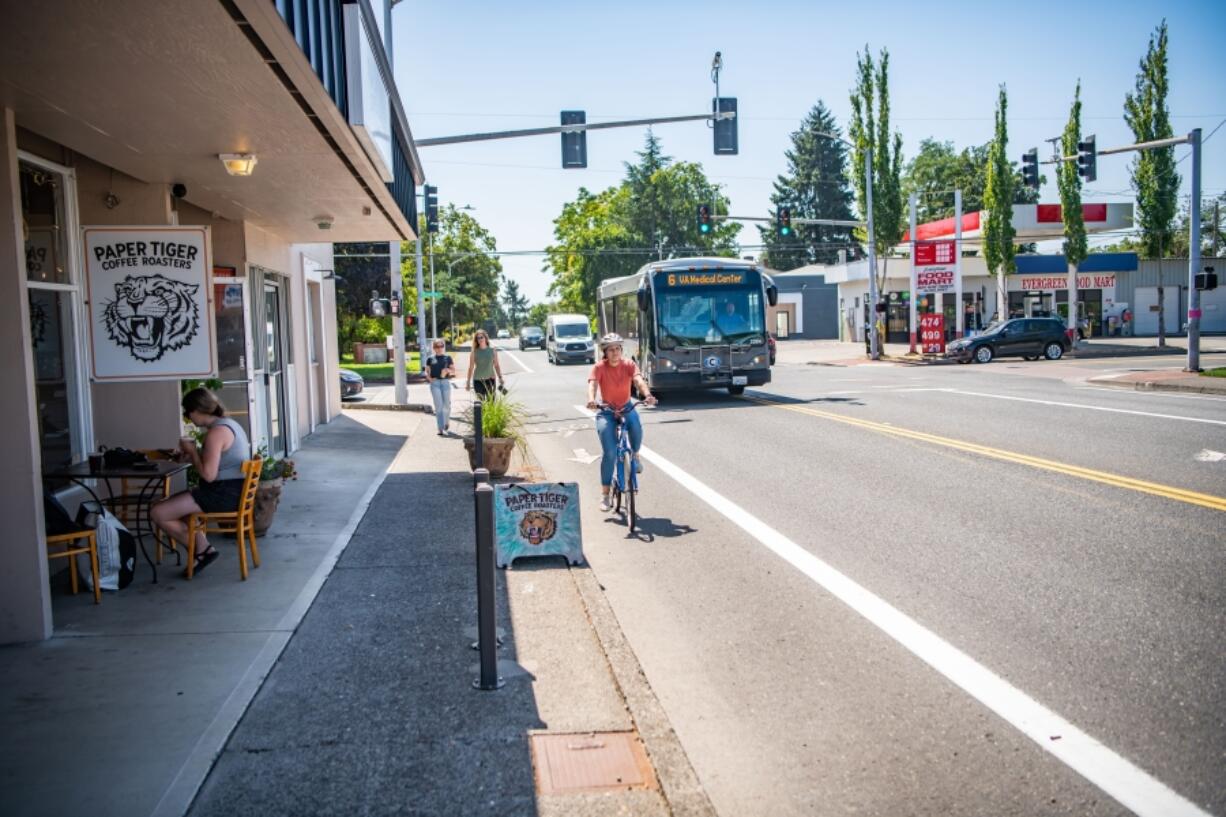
x,y
717,65
912,310
960,310
433,297
1194,259
399,378
1217,226
422,348
874,349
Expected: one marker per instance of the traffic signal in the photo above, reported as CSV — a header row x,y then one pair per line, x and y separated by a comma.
x,y
1030,168
783,221
574,143
1207,280
705,224
1087,159
725,129
431,208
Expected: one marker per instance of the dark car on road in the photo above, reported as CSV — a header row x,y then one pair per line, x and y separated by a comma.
x,y
531,336
351,383
1029,338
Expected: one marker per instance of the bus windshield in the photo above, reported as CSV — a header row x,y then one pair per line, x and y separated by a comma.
x,y
697,315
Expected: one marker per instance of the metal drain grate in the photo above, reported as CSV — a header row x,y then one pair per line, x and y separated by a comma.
x,y
591,761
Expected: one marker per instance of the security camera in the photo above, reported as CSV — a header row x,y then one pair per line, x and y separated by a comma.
x,y
323,222
178,190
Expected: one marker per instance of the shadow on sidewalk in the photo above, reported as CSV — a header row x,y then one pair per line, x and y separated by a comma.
x,y
371,709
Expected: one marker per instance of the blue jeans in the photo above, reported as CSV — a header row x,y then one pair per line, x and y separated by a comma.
x,y
440,392
606,429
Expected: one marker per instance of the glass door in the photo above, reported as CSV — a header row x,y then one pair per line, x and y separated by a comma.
x,y
274,367
233,351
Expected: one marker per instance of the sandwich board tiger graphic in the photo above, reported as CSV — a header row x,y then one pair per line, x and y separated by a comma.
x,y
151,315
538,526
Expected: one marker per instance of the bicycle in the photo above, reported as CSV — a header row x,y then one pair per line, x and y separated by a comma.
x,y
625,478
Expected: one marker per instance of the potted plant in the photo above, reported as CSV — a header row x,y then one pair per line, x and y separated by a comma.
x,y
273,474
502,428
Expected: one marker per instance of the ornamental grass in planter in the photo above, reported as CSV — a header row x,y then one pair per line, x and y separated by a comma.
x,y
273,474
502,424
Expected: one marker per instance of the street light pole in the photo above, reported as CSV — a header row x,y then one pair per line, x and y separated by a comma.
x,y
433,296
874,349
1194,259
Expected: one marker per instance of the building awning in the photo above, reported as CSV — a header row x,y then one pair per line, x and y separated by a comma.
x,y
158,90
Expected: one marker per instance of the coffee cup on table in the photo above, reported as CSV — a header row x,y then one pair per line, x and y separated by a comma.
x,y
95,463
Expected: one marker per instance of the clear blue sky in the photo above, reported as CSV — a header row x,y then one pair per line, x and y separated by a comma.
x,y
465,67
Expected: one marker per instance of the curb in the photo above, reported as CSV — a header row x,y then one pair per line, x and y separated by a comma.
x,y
422,407
1154,386
679,783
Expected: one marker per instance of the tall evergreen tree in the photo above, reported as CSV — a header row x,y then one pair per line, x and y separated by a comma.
x,y
1068,178
998,232
870,126
516,303
814,186
1153,171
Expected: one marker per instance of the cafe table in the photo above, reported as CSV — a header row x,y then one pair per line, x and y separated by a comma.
x,y
149,476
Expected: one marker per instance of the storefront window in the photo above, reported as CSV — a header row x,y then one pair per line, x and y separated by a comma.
x,y
42,214
54,306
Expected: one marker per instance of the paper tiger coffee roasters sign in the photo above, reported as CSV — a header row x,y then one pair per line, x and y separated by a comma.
x,y
148,294
537,519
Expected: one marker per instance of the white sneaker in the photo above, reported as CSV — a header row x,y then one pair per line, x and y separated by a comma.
x,y
606,503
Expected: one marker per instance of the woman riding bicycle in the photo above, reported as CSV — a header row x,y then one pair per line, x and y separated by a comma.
x,y
613,376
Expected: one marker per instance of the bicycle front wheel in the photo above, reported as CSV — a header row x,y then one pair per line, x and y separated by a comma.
x,y
627,468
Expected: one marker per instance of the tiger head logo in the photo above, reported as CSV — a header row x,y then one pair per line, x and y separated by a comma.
x,y
538,526
151,315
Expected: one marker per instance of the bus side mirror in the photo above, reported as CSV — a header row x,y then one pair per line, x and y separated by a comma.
x,y
772,294
644,298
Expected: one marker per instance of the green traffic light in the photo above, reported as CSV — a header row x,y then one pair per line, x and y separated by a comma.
x,y
785,231
704,228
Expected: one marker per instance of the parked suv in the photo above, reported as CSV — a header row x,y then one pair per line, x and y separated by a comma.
x,y
531,337
1020,337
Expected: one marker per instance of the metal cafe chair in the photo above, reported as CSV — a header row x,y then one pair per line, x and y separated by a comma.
x,y
241,523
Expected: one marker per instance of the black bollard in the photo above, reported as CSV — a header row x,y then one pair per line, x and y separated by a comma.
x,y
487,630
478,434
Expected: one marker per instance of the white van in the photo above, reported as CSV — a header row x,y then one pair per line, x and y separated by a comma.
x,y
569,337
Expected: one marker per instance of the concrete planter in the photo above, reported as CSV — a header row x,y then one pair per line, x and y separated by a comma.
x,y
496,452
267,497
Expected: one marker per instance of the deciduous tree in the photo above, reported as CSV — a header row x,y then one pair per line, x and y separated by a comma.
x,y
998,232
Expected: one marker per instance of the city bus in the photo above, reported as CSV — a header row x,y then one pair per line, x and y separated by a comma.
x,y
693,323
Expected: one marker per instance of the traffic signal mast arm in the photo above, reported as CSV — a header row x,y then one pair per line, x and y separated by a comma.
x,y
829,222
515,134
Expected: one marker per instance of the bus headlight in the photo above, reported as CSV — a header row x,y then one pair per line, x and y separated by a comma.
x,y
757,359
665,363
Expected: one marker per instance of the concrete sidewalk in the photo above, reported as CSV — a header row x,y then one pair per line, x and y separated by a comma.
x,y
371,708
338,679
842,353
124,709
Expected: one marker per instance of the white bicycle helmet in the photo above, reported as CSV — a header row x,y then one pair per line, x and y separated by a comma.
x,y
611,339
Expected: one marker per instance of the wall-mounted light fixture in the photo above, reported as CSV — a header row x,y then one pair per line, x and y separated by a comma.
x,y
238,164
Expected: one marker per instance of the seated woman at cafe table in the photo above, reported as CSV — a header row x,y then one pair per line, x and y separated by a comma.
x,y
219,462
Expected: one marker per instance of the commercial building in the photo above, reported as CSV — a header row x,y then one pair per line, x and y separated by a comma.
x,y
807,305
235,140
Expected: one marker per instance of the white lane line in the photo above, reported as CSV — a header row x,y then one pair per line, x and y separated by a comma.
x,y
522,365
1087,407
1130,785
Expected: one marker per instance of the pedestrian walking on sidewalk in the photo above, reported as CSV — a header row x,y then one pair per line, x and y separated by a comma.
x,y
440,370
483,366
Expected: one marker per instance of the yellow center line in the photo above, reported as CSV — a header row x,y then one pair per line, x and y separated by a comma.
x,y
1217,503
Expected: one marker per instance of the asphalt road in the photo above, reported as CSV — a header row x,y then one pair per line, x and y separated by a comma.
x,y
923,590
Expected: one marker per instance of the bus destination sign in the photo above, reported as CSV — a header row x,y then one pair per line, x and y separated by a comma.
x,y
717,277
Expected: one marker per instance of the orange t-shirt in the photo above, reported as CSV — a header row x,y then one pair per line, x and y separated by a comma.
x,y
614,381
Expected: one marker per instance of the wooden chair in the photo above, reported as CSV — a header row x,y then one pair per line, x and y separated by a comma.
x,y
241,523
70,552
